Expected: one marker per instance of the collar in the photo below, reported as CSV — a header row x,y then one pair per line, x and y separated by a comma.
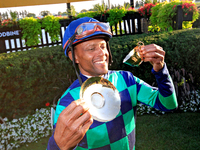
x,y
85,77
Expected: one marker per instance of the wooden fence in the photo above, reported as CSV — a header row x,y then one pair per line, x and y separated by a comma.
x,y
11,38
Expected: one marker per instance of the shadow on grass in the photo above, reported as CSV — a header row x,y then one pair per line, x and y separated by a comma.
x,y
172,131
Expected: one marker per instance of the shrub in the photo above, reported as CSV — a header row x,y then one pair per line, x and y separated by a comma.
x,y
163,14
181,46
146,10
115,15
31,30
31,79
52,26
87,14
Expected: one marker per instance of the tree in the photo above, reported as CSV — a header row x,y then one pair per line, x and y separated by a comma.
x,y
59,13
100,8
126,5
73,11
83,10
31,15
45,13
64,14
13,15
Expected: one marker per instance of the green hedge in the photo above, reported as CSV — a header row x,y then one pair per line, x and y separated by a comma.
x,y
181,47
30,79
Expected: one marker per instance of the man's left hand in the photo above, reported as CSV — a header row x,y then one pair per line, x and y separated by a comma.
x,y
154,54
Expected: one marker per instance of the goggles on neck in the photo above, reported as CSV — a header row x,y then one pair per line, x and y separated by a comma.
x,y
89,28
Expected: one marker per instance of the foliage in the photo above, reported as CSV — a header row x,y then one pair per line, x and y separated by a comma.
x,y
31,30
196,24
185,91
179,54
73,12
115,15
52,26
8,23
146,10
91,14
163,14
189,7
13,15
45,13
100,8
31,15
30,79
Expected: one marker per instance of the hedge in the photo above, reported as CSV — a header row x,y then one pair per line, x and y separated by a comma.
x,y
30,79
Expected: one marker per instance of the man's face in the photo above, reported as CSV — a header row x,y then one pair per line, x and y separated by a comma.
x,y
92,57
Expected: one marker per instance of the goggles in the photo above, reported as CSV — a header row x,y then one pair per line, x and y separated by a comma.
x,y
88,28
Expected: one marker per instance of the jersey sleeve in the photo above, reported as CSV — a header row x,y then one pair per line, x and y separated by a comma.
x,y
69,96
163,97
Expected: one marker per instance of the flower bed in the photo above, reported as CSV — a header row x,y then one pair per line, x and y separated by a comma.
x,y
17,132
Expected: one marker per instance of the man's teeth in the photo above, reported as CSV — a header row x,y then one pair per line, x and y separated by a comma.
x,y
99,62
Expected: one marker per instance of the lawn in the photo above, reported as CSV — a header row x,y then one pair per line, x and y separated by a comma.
x,y
172,131
179,131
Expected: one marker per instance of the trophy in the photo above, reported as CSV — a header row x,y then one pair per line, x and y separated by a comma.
x,y
134,58
102,98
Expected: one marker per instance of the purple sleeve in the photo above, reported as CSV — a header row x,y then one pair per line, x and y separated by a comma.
x,y
52,144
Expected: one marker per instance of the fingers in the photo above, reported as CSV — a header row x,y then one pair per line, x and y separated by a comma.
x,y
72,124
75,109
153,56
152,48
152,52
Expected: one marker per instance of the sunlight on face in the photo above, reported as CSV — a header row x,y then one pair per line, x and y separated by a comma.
x,y
92,57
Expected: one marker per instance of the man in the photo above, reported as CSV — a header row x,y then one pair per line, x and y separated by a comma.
x,y
86,44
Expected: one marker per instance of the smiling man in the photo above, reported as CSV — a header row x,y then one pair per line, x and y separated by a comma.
x,y
92,57
86,43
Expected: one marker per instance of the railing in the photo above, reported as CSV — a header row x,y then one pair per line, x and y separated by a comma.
x,y
11,38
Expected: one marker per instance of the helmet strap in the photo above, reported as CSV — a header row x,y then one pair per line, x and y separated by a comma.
x,y
73,57
110,55
71,40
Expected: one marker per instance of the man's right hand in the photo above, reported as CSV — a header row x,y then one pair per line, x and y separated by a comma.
x,y
72,125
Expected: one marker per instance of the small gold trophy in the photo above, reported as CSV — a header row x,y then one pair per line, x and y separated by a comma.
x,y
134,58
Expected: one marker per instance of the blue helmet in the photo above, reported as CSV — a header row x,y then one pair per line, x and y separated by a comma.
x,y
75,32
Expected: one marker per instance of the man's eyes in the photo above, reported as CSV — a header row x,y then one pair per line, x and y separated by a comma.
x,y
91,48
103,47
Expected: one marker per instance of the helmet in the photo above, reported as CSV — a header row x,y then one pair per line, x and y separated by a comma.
x,y
84,29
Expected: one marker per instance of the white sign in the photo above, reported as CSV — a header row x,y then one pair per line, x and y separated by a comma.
x,y
9,33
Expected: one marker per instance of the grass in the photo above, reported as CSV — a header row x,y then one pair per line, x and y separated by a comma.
x,y
178,131
173,131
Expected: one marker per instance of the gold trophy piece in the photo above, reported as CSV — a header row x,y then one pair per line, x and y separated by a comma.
x,y
134,58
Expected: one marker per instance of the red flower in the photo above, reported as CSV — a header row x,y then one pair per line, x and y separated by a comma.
x,y
47,104
146,9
